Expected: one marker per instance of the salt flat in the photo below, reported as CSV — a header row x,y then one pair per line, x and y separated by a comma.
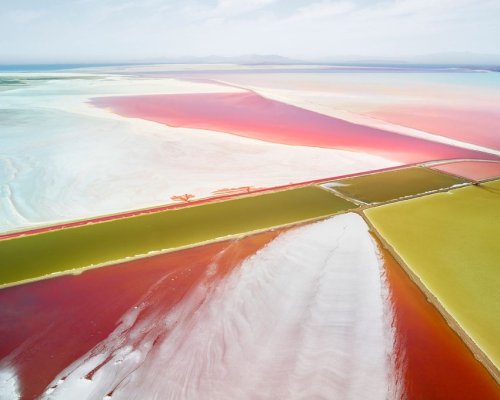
x,y
63,159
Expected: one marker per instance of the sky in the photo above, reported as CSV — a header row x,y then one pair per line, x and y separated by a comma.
x,y
50,31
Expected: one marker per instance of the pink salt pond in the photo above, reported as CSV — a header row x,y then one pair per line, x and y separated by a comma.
x,y
253,116
474,170
470,125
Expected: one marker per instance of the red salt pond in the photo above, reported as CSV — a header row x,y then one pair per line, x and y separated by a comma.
x,y
46,325
251,115
469,125
475,170
434,362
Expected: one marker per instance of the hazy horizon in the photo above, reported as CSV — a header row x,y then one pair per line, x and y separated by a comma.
x,y
454,59
105,31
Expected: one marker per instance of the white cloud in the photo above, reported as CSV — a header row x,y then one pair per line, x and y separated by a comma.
x,y
25,16
227,8
322,9
146,29
223,9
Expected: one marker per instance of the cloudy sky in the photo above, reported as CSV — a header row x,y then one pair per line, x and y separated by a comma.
x,y
145,30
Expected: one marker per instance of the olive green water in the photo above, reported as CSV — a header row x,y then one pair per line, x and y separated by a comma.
x,y
451,241
392,185
45,253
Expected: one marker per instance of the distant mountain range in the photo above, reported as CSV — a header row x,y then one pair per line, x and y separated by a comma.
x,y
450,58
461,59
247,59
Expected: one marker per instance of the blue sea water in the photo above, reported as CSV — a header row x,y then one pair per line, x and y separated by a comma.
x,y
350,68
50,67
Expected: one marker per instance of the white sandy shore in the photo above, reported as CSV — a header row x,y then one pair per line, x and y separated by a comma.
x,y
63,159
9,383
